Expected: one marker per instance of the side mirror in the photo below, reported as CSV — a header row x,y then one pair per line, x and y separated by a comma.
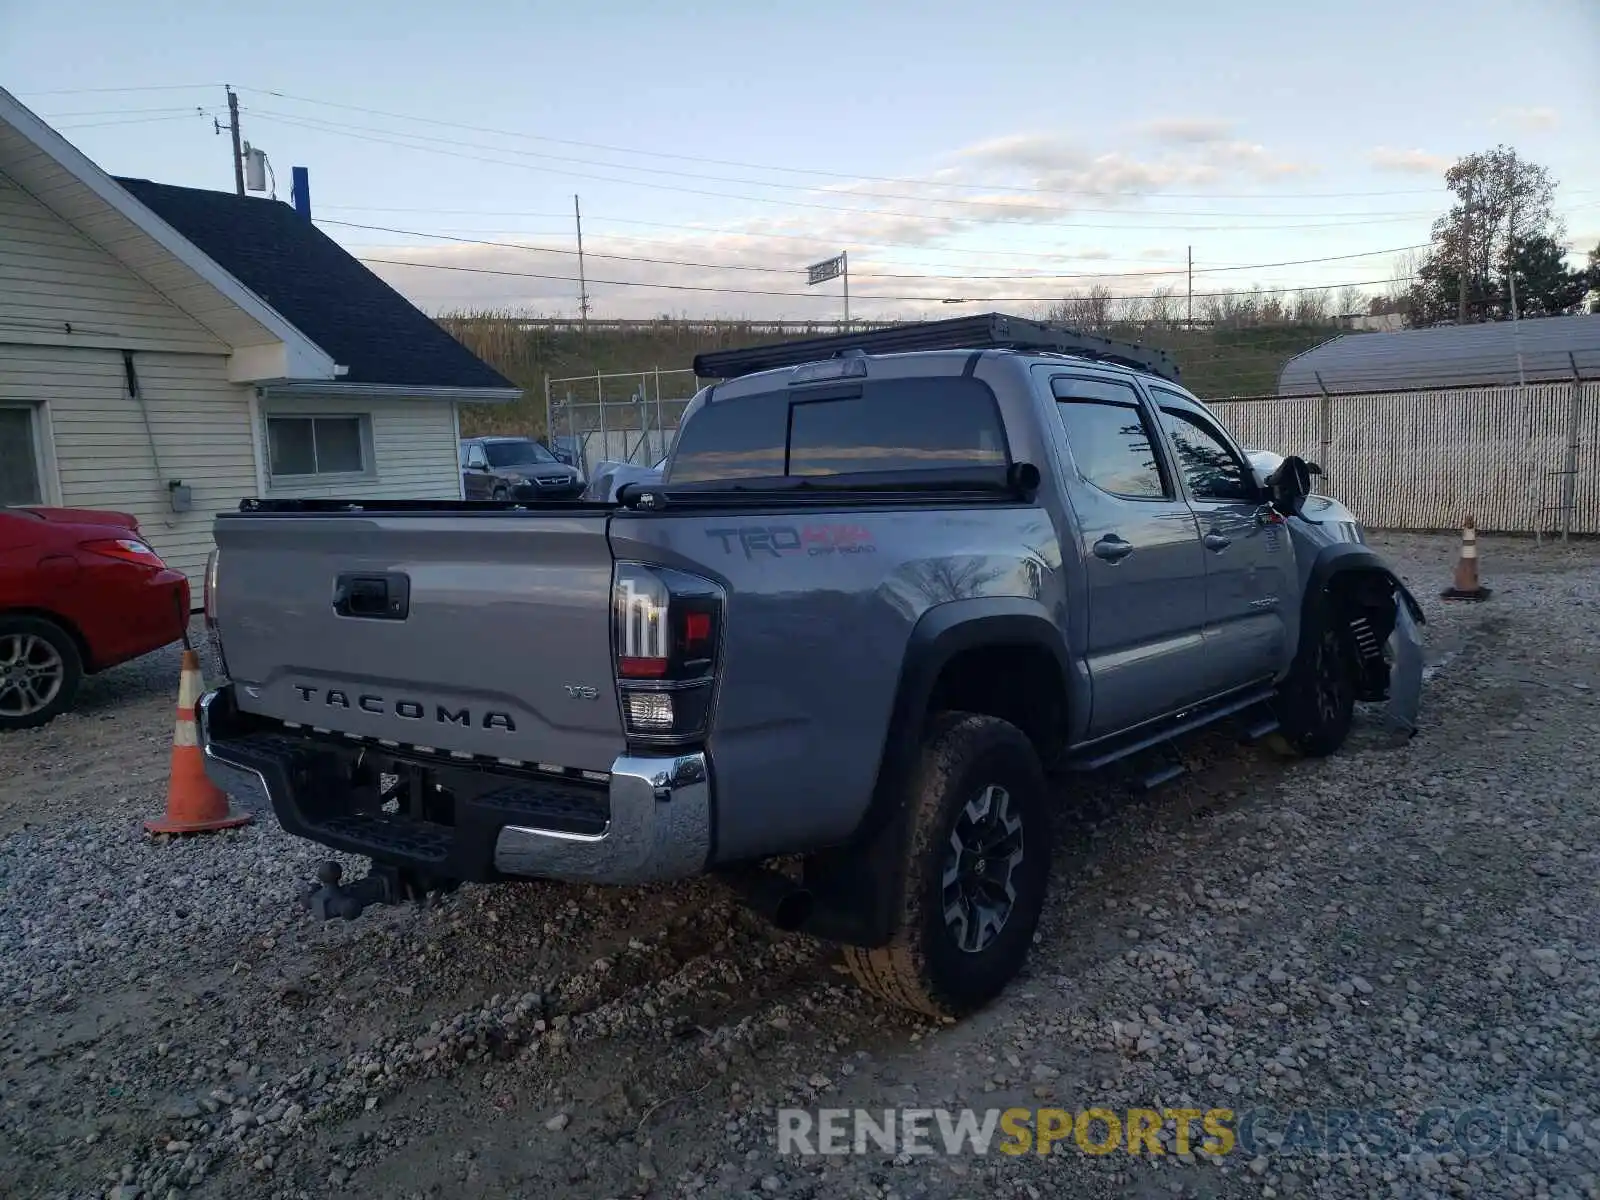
x,y
1289,485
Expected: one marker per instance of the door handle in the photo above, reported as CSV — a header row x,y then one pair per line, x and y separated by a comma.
x,y
1215,541
377,597
1112,548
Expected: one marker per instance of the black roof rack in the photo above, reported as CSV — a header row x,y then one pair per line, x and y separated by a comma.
x,y
991,331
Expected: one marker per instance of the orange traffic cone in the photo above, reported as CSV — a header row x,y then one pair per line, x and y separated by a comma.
x,y
1466,585
194,803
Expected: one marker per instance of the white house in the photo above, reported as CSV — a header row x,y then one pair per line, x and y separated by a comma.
x,y
169,351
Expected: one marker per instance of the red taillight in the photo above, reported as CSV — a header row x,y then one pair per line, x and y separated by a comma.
x,y
696,630
667,627
128,550
641,668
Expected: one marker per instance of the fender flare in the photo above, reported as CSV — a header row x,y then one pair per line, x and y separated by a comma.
x,y
857,884
1344,558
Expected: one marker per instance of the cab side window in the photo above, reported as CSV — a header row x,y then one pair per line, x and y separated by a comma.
x,y
1110,438
1210,470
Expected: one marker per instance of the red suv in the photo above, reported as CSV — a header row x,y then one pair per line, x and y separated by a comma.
x,y
80,591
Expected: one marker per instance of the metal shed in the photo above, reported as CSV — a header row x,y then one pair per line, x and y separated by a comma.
x,y
1542,349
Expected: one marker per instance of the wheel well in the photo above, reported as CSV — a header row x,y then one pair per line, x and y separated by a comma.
x,y
60,622
1361,601
1019,683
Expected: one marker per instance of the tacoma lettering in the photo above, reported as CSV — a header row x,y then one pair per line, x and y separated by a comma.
x,y
410,710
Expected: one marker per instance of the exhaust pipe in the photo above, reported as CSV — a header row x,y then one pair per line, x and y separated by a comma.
x,y
773,896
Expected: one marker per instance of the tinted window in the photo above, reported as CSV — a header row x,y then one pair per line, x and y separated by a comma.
x,y
732,439
1109,438
506,454
898,425
1209,468
888,425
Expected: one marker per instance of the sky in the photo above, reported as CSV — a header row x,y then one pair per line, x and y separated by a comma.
x,y
965,157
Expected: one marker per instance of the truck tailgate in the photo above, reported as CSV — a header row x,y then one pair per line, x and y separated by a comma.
x,y
485,635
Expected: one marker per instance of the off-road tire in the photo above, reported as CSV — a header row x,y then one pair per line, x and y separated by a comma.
x,y
1316,703
71,669
923,968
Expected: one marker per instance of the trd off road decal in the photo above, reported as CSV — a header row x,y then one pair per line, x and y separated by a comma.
x,y
782,541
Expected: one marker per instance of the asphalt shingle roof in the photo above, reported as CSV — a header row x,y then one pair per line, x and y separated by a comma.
x,y
1448,356
319,288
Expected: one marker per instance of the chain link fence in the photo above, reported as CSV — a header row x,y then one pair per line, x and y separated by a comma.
x,y
623,417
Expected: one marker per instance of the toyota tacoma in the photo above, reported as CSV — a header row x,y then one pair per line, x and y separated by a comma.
x,y
886,586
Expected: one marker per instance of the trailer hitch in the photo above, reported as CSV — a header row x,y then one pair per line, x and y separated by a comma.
x,y
382,884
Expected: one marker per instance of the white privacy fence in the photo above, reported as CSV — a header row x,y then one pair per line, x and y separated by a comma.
x,y
1517,459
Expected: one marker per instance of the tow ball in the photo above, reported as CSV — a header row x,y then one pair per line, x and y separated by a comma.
x,y
381,885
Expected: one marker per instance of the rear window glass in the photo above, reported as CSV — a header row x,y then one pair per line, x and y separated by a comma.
x,y
884,425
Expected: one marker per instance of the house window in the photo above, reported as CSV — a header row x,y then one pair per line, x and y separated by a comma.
x,y
19,458
303,446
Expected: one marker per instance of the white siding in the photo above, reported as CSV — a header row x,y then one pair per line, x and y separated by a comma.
x,y
69,198
413,443
200,424
55,281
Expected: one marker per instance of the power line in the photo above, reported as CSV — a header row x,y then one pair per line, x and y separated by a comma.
x,y
332,126
953,218
117,112
365,133
790,270
197,112
156,87
378,112
809,239
688,287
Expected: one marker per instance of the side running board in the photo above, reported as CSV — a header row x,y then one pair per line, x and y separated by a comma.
x,y
1109,750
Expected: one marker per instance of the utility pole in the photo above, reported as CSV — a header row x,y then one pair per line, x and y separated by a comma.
x,y
583,287
233,129
1511,282
1191,287
1466,254
844,266
1511,255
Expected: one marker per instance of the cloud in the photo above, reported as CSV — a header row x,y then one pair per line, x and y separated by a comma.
x,y
1536,119
1409,162
1187,130
1010,191
1048,163
1030,151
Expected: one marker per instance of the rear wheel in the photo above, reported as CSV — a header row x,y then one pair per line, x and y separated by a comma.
x,y
40,669
501,492
976,873
1316,704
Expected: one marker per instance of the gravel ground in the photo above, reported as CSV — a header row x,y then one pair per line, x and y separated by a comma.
x,y
1394,929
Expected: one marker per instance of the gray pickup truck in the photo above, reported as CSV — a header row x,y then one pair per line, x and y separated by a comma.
x,y
887,583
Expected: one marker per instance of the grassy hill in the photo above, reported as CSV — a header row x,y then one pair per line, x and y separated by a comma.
x,y
1215,362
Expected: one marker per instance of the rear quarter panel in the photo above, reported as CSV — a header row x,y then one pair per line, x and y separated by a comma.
x,y
821,606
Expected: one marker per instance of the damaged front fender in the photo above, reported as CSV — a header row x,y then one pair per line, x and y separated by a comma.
x,y
1337,569
1405,665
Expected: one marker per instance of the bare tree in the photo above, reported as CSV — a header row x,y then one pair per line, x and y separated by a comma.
x,y
1162,308
1090,310
1311,307
1350,300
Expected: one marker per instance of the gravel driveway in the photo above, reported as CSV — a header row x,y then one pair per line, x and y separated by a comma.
x,y
1396,929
